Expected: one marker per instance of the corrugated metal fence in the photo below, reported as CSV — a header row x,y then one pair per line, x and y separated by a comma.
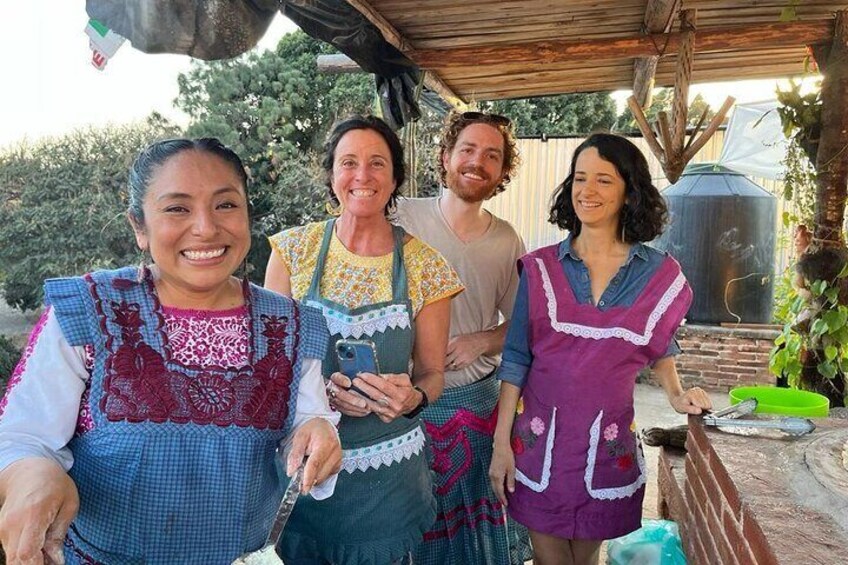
x,y
526,202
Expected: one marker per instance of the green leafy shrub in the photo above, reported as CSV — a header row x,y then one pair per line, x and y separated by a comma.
x,y
10,354
63,204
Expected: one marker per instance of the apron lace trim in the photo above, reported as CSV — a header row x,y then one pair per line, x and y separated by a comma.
x,y
385,453
591,332
393,316
611,493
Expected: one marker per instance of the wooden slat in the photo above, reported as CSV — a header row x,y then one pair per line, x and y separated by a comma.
x,y
735,37
417,22
390,34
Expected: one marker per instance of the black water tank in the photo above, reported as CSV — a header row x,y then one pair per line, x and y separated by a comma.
x,y
722,232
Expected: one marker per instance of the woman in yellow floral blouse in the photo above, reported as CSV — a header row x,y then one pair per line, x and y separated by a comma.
x,y
372,281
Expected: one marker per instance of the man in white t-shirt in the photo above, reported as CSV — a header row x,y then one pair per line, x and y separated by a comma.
x,y
477,157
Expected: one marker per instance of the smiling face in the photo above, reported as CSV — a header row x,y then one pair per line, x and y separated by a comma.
x,y
474,167
196,223
363,176
598,191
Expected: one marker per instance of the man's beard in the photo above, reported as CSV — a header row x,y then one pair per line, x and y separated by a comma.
x,y
472,195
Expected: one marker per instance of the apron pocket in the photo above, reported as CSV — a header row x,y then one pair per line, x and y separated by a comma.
x,y
533,443
615,465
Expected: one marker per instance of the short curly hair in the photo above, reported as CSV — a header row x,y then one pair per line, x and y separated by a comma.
x,y
378,126
644,214
455,122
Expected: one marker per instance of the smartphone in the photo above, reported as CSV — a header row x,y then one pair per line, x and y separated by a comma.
x,y
357,356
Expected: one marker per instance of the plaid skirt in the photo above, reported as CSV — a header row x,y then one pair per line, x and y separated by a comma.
x,y
471,524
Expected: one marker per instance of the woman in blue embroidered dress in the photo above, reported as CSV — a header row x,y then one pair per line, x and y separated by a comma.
x,y
590,313
142,423
374,282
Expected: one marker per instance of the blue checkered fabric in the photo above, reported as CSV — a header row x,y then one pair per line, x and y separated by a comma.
x,y
166,492
471,526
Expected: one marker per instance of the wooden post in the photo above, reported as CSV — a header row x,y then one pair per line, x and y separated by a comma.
x,y
646,130
832,158
680,102
658,19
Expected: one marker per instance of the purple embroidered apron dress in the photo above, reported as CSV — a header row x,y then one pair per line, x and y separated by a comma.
x,y
580,471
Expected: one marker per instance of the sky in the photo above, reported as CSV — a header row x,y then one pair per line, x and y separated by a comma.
x,y
49,87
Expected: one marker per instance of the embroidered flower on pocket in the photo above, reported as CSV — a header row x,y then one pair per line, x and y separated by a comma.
x,y
537,426
527,437
517,445
624,462
616,449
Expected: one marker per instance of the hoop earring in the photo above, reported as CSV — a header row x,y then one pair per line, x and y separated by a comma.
x,y
142,267
245,271
334,211
625,214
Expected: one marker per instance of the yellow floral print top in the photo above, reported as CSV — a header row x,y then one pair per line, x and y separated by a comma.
x,y
355,281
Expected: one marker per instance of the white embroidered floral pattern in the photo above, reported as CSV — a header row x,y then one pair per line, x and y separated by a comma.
x,y
384,453
611,493
590,332
376,321
204,340
542,484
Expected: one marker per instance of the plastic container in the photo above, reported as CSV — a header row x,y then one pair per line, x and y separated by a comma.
x,y
788,401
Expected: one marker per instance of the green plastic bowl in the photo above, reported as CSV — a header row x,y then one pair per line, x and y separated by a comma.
x,y
789,401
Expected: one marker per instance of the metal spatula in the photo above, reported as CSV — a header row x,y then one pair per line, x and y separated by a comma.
x,y
790,426
729,417
267,555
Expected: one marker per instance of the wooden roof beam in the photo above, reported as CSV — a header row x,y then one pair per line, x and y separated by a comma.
x,y
431,79
659,16
738,37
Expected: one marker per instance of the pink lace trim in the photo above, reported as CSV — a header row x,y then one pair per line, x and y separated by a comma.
x,y
17,374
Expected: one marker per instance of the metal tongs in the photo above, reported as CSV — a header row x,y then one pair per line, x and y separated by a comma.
x,y
728,417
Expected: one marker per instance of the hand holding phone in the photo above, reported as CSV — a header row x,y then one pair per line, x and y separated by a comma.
x,y
357,356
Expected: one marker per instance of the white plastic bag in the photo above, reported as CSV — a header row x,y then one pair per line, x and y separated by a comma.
x,y
657,542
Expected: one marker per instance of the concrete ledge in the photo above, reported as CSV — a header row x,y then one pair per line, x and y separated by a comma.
x,y
766,333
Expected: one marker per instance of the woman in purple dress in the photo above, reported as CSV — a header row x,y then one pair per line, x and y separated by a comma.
x,y
591,312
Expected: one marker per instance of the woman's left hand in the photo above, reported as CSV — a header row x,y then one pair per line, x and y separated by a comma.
x,y
392,393
692,401
318,441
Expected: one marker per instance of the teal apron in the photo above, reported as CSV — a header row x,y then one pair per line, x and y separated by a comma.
x,y
383,501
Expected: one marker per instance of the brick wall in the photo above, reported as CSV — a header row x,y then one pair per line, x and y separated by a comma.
x,y
718,358
732,500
